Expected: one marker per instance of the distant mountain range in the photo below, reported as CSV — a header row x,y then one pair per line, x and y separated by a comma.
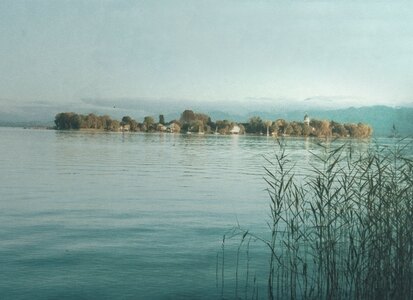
x,y
381,118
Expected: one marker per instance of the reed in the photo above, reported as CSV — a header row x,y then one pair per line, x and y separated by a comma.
x,y
345,231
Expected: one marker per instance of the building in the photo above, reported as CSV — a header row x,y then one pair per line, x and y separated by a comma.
x,y
161,127
125,127
306,120
173,127
235,130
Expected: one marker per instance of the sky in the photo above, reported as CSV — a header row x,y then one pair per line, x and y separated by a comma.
x,y
330,53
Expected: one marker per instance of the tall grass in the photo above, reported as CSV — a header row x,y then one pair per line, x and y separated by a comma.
x,y
345,231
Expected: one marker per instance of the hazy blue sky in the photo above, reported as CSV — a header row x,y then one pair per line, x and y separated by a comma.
x,y
355,52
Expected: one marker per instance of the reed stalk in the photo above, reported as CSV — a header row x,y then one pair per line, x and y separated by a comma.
x,y
344,231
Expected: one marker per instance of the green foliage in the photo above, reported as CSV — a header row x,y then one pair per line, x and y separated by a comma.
x,y
195,122
70,120
338,129
133,125
149,123
187,117
112,125
161,119
199,122
126,120
255,125
224,126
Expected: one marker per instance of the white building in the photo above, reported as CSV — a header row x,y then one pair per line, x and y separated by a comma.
x,y
125,127
306,120
235,130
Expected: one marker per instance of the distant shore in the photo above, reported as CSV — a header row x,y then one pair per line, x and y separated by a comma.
x,y
200,123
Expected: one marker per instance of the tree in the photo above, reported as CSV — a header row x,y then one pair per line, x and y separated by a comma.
x,y
204,118
187,117
126,120
364,130
316,124
280,126
307,130
60,121
324,129
289,130
297,128
351,129
358,131
338,129
175,127
67,120
92,121
134,126
223,126
255,125
197,126
161,119
75,121
106,122
114,125
148,121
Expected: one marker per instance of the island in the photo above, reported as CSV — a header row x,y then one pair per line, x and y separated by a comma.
x,y
191,122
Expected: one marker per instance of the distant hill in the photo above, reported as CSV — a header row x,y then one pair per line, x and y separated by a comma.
x,y
381,118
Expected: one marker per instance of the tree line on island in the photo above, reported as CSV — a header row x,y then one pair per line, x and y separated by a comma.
x,y
191,122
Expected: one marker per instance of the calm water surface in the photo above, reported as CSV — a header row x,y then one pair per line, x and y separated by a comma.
x,y
125,216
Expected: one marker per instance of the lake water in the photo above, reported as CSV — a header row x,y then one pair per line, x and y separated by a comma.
x,y
88,215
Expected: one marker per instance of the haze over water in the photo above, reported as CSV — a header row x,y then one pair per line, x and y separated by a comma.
x,y
88,215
